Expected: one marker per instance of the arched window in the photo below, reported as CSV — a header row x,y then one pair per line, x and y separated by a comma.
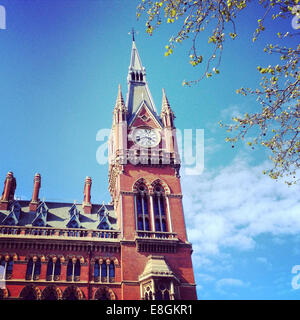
x,y
57,270
37,269
132,76
137,77
49,274
162,291
69,270
6,267
33,270
97,271
159,209
148,294
103,272
29,269
111,272
141,76
53,269
142,208
73,270
77,270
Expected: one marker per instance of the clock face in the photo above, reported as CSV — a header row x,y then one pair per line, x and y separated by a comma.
x,y
146,137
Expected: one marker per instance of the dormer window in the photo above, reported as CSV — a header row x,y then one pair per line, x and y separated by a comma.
x,y
74,221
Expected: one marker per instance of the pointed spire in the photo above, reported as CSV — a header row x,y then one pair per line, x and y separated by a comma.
x,y
165,102
135,61
166,114
138,90
120,105
165,106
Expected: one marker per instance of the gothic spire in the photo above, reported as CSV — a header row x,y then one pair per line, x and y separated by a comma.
x,y
120,105
135,61
138,90
167,113
165,107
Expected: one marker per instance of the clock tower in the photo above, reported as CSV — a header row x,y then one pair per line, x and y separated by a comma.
x,y
144,183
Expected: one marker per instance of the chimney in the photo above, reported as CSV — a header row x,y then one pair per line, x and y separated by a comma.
x,y
8,191
35,195
86,204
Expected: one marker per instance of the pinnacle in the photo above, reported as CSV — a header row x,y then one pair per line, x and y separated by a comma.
x,y
165,102
120,101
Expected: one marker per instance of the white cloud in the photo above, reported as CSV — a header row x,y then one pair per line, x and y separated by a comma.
x,y
227,283
229,208
205,277
230,112
262,260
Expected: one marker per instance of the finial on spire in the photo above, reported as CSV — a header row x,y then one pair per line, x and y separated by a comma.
x,y
132,32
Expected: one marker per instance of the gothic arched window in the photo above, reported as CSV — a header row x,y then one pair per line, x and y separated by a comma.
x,y
53,269
57,269
73,270
33,270
142,209
111,272
49,274
162,291
6,270
97,271
159,209
103,272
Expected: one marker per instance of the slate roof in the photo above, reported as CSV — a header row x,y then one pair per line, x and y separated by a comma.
x,y
138,91
60,215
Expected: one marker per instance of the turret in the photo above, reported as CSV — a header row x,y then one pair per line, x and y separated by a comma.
x,y
170,140
167,115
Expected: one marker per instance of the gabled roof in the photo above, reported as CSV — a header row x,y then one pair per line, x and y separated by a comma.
x,y
152,114
58,215
14,215
41,215
74,222
105,219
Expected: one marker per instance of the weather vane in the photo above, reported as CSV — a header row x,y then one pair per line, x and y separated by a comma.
x,y
132,32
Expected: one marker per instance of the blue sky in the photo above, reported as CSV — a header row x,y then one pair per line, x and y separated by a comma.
x,y
61,63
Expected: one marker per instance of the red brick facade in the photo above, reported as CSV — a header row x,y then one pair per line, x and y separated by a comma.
x,y
134,248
